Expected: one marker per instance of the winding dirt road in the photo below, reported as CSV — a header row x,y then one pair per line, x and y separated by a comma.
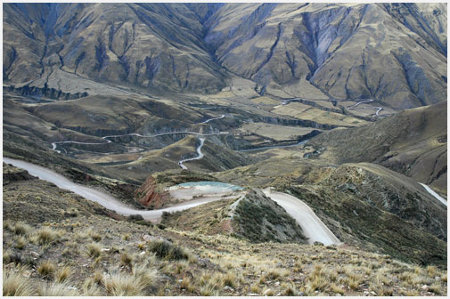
x,y
214,118
107,200
313,228
106,138
434,194
199,154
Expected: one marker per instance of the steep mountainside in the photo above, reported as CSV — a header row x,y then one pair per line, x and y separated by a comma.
x,y
313,51
413,142
147,45
343,50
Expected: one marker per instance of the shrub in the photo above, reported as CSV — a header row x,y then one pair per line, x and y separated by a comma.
x,y
166,250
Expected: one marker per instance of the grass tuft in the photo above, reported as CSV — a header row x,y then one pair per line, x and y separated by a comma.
x,y
94,250
126,260
63,274
21,243
15,284
46,269
21,228
46,235
57,289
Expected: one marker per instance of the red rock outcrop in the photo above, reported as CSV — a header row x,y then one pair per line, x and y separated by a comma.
x,y
148,196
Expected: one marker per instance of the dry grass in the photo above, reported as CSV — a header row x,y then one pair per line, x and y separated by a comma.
x,y
230,279
255,289
57,289
21,228
63,274
90,289
124,284
15,284
46,269
316,281
204,264
336,289
46,235
94,236
126,259
94,250
431,271
98,277
21,242
187,284
288,289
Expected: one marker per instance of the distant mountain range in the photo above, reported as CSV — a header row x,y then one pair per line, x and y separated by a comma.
x,y
393,53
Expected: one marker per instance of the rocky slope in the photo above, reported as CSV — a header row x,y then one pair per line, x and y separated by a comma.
x,y
313,51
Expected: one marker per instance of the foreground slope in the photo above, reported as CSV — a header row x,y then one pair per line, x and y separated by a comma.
x,y
79,249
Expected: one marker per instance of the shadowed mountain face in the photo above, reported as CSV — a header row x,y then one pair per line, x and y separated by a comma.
x,y
395,54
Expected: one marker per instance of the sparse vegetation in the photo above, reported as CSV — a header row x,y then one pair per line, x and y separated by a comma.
x,y
60,258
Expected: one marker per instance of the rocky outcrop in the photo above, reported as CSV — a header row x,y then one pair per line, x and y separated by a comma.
x,y
149,196
47,92
13,174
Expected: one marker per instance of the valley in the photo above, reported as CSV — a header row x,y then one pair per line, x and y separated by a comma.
x,y
225,149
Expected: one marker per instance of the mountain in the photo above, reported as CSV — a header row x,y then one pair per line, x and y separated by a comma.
x,y
225,149
314,51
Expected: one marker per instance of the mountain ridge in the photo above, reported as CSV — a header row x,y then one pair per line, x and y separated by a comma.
x,y
333,51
